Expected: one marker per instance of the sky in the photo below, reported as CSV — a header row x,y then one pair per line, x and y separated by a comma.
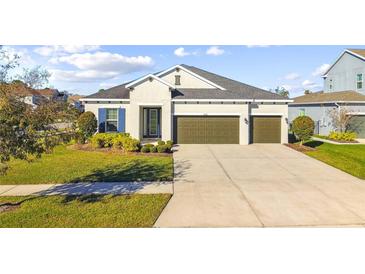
x,y
86,69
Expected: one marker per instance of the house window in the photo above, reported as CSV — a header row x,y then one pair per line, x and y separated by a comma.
x,y
302,112
359,81
111,122
177,80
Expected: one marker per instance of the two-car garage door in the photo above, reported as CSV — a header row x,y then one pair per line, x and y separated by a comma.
x,y
225,129
206,129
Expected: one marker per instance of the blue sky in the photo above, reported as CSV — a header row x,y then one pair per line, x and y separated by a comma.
x,y
86,69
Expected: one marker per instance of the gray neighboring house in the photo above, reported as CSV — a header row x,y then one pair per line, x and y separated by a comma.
x,y
318,105
343,88
191,106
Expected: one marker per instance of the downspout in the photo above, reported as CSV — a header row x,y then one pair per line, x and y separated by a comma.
x,y
338,109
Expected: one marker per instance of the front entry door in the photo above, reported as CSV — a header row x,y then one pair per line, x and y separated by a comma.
x,y
151,123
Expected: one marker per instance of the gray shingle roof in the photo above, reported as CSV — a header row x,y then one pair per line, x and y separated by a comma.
x,y
245,91
234,90
117,92
322,97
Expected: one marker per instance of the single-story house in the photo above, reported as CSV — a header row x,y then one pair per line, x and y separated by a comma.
x,y
190,105
319,105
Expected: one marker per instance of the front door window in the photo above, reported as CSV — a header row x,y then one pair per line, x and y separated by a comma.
x,y
153,123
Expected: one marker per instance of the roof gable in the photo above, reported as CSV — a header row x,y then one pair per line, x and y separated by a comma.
x,y
187,70
149,76
359,53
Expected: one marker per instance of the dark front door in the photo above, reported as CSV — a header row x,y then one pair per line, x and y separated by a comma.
x,y
151,123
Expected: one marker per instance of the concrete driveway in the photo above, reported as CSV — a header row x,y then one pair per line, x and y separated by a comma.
x,y
259,186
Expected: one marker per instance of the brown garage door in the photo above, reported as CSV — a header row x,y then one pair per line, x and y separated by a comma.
x,y
206,130
265,129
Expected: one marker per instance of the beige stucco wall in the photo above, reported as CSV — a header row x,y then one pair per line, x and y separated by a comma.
x,y
187,80
228,109
149,94
273,109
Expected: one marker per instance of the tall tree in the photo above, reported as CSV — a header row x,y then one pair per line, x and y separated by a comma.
x,y
282,91
35,77
8,62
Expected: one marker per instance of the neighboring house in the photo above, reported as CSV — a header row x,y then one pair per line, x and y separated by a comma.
x,y
347,72
190,105
319,105
343,88
75,101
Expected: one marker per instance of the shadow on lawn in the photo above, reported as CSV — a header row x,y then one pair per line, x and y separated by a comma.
x,y
133,171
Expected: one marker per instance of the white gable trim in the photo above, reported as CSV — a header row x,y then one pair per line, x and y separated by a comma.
x,y
136,82
345,51
193,74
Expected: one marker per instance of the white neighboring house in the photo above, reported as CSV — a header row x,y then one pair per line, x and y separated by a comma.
x,y
190,105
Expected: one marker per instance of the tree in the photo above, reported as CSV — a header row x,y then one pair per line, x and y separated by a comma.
x,y
339,118
303,128
35,77
282,91
307,91
87,124
8,62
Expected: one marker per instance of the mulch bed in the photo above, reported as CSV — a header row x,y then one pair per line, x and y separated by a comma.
x,y
300,148
88,147
8,207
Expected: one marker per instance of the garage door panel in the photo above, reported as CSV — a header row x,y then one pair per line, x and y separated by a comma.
x,y
265,129
206,130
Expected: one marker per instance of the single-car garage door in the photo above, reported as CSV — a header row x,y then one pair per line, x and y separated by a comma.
x,y
265,129
357,124
206,129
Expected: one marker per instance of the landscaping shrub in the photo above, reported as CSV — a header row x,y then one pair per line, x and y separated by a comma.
x,y
103,140
342,136
120,139
153,149
162,148
169,144
87,124
303,128
131,144
161,143
145,149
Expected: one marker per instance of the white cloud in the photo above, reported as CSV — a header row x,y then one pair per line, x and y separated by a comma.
x,y
310,84
214,50
180,52
98,66
321,70
288,87
25,58
81,76
292,76
106,61
65,49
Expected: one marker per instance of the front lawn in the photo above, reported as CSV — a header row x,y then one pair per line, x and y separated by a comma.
x,y
349,158
66,165
83,211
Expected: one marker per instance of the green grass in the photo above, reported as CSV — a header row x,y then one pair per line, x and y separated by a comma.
x,y
66,165
349,158
84,211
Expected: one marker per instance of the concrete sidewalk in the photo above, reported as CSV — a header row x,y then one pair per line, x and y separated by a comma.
x,y
87,188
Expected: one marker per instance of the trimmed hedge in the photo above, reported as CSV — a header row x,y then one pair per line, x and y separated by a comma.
x,y
116,140
342,136
303,128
